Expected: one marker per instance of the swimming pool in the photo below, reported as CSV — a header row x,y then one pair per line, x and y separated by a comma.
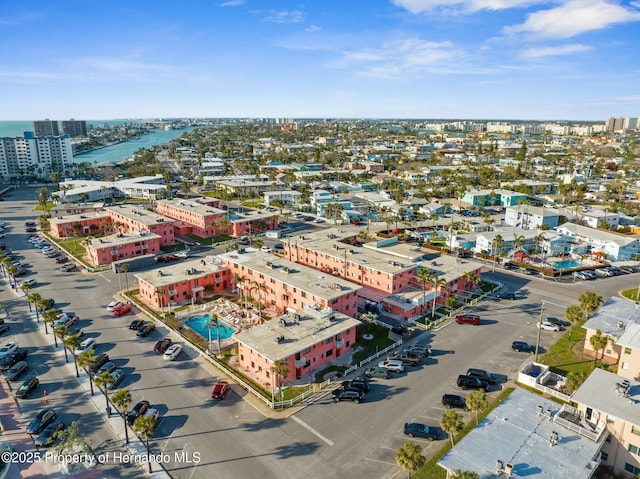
x,y
566,264
199,325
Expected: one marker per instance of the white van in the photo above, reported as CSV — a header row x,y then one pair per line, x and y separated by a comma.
x,y
86,345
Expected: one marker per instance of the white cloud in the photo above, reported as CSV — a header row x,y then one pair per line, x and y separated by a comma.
x,y
574,18
312,28
232,3
285,16
463,6
540,52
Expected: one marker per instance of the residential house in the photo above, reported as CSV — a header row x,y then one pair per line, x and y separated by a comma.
x,y
193,217
614,246
531,217
288,197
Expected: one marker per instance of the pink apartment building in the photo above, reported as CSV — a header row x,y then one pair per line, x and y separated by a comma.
x,y
202,220
252,222
304,340
83,224
130,218
121,246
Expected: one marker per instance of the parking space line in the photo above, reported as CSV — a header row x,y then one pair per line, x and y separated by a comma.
x,y
378,460
312,430
104,277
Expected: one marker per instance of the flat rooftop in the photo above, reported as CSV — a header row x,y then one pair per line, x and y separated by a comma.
x,y
171,273
122,239
57,220
291,333
600,392
515,433
192,207
250,215
314,282
614,318
141,215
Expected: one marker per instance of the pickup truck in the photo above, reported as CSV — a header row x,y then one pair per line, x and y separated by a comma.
x,y
410,359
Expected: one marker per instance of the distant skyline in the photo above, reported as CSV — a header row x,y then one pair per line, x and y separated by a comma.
x,y
472,59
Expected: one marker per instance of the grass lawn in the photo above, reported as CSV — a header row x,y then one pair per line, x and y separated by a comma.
x,y
632,294
209,241
47,207
74,245
566,356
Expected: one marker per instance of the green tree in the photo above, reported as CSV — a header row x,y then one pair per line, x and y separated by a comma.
x,y
124,268
279,371
497,245
33,298
70,438
368,317
104,380
121,400
214,322
437,283
460,474
71,343
410,458
145,427
574,315
85,361
424,275
451,422
49,316
575,379
590,302
43,194
26,287
477,402
62,332
472,277
599,341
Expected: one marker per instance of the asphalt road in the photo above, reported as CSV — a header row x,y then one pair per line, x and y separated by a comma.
x,y
324,440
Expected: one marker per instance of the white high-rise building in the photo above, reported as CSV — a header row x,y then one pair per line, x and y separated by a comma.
x,y
35,156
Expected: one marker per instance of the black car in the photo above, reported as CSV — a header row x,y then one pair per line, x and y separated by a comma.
x,y
472,382
42,420
454,401
101,360
558,322
4,328
136,323
162,345
8,361
415,429
482,375
48,436
145,330
27,388
357,383
355,395
407,358
523,346
506,295
138,410
17,370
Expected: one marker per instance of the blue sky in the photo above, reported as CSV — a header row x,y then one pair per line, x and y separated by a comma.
x,y
475,59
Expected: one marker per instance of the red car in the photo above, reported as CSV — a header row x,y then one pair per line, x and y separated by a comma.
x,y
220,390
122,309
468,319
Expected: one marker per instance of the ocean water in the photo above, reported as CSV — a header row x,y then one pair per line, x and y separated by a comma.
x,y
12,129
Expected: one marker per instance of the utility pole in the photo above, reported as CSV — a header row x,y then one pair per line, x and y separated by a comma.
x,y
539,331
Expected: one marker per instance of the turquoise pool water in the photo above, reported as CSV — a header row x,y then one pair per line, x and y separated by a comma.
x,y
566,264
199,325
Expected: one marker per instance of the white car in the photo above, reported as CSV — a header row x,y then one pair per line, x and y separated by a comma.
x,y
392,365
152,412
172,352
111,306
547,326
8,348
86,345
266,249
30,282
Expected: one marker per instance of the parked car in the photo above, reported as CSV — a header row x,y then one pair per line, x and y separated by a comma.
x,y
42,420
107,367
27,387
61,259
136,323
278,246
31,282
145,330
509,266
10,359
377,372
471,382
172,352
547,326
454,401
86,345
506,295
530,271
392,365
410,359
418,349
266,249
8,348
162,345
113,304
220,390
355,395
122,308
101,360
65,268
117,377
4,328
482,375
558,322
17,370
415,429
139,409
468,319
48,436
520,346
48,303
357,383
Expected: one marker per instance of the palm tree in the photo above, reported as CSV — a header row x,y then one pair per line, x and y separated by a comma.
x,y
472,277
85,361
460,474
497,245
539,239
424,276
103,381
62,332
34,298
518,240
573,314
451,422
279,370
599,341
575,379
145,427
214,322
71,343
49,317
477,402
121,400
436,283
590,302
26,287
11,271
410,458
123,268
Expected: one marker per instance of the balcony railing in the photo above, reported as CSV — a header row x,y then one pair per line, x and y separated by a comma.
x,y
572,419
339,343
299,363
